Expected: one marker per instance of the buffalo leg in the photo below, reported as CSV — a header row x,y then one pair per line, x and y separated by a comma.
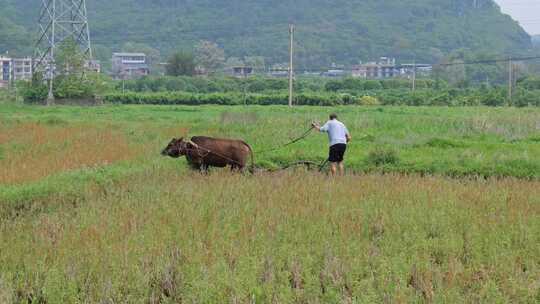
x,y
195,166
237,168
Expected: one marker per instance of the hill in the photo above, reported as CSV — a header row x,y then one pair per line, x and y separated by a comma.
x,y
13,37
536,40
342,31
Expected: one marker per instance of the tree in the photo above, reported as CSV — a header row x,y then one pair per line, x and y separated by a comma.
x,y
69,81
181,64
209,56
69,60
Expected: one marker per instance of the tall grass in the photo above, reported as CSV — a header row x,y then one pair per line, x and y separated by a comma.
x,y
90,212
37,150
168,237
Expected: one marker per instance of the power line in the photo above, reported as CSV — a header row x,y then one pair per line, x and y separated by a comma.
x,y
291,71
491,61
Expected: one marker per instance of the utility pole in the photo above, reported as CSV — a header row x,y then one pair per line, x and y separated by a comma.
x,y
291,70
510,79
50,63
59,21
414,75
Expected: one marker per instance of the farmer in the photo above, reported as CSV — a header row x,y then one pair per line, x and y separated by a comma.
x,y
339,136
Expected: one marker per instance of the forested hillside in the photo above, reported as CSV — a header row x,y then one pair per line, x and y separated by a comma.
x,y
14,38
341,31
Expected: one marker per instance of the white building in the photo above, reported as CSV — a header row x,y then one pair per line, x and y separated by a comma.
x,y
14,69
384,68
129,65
422,69
22,68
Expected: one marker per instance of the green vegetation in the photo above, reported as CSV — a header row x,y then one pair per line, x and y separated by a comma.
x,y
14,38
184,90
71,82
90,212
7,97
181,64
429,140
423,97
341,31
165,236
222,84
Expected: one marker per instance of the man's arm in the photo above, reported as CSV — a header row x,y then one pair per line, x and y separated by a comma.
x,y
348,135
319,128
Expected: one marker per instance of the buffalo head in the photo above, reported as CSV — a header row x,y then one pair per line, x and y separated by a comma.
x,y
176,148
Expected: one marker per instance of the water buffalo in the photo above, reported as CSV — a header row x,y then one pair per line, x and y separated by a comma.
x,y
203,152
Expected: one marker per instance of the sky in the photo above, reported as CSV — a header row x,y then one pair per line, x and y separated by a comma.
x,y
527,12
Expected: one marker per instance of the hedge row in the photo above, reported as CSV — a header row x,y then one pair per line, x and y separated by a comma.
x,y
493,97
183,98
217,84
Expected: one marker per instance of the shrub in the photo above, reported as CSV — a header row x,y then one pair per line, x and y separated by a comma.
x,y
369,101
530,83
372,85
382,157
33,92
493,98
525,98
443,143
333,86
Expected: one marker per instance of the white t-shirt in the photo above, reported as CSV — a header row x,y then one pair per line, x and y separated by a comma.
x,y
337,132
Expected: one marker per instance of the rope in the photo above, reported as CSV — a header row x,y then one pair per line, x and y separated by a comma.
x,y
306,163
198,148
303,136
309,164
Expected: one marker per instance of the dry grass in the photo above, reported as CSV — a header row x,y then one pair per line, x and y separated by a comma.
x,y
168,237
36,150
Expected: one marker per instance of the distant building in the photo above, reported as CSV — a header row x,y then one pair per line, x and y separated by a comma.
x,y
278,73
241,71
22,68
93,65
334,73
422,69
129,65
14,69
5,71
384,68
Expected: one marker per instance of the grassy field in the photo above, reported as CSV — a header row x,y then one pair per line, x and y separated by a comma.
x,y
449,141
91,213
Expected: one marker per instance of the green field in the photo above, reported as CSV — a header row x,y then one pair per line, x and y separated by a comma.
x,y
90,212
449,141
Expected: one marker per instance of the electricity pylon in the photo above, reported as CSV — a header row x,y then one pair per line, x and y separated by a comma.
x,y
59,21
